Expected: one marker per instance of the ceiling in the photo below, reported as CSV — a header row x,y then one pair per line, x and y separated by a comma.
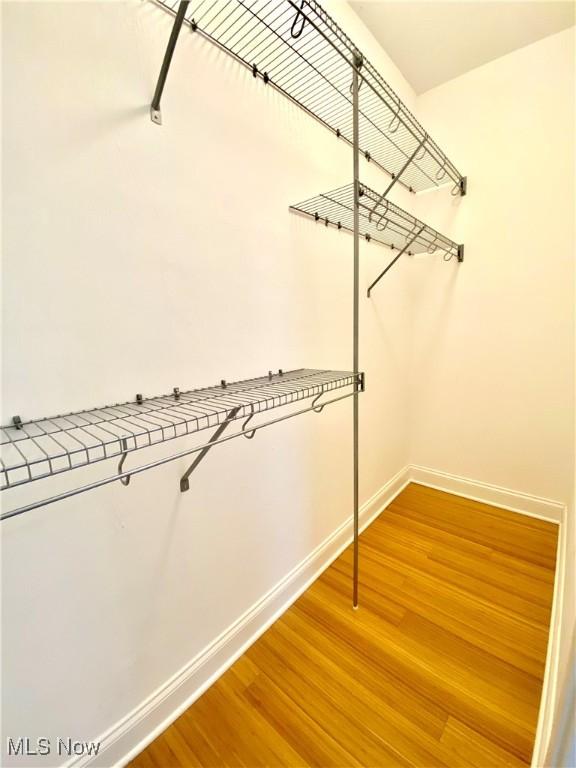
x,y
432,42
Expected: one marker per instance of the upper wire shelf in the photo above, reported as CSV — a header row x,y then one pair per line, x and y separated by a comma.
x,y
45,447
380,220
300,50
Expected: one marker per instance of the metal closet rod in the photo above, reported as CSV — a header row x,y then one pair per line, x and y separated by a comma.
x,y
126,474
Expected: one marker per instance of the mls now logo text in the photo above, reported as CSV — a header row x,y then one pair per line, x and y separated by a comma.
x,y
25,746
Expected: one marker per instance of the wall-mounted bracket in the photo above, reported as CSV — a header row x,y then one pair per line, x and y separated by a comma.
x,y
184,482
155,113
463,185
361,382
461,252
396,176
395,259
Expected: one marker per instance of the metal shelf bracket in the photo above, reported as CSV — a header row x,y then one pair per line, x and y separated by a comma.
x,y
396,177
395,259
155,112
184,482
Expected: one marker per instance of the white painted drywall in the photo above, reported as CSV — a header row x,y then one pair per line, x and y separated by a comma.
x,y
493,360
138,258
434,41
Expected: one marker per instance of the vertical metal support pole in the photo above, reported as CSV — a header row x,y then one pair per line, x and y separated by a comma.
x,y
356,306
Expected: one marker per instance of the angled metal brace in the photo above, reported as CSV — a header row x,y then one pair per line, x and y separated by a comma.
x,y
397,177
155,113
184,482
394,260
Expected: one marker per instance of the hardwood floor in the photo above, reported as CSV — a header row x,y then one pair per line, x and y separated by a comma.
x,y
442,665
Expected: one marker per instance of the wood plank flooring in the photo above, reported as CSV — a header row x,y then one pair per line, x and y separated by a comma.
x,y
442,665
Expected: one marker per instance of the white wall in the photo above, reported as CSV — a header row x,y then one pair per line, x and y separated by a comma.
x,y
138,258
493,361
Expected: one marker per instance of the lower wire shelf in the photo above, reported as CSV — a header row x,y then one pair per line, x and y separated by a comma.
x,y
46,447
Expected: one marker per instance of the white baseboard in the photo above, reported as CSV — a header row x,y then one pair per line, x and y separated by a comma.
x,y
129,736
534,506
551,671
133,733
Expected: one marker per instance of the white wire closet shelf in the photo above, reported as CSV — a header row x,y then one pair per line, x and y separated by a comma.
x,y
298,49
45,447
380,221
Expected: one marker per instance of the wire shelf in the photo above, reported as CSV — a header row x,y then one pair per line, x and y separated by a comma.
x,y
45,447
297,48
380,220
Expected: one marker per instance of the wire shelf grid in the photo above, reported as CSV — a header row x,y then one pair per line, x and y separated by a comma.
x,y
46,447
380,220
301,51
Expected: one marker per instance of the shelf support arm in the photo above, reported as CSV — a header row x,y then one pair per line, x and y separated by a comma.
x,y
394,260
155,113
397,177
184,482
